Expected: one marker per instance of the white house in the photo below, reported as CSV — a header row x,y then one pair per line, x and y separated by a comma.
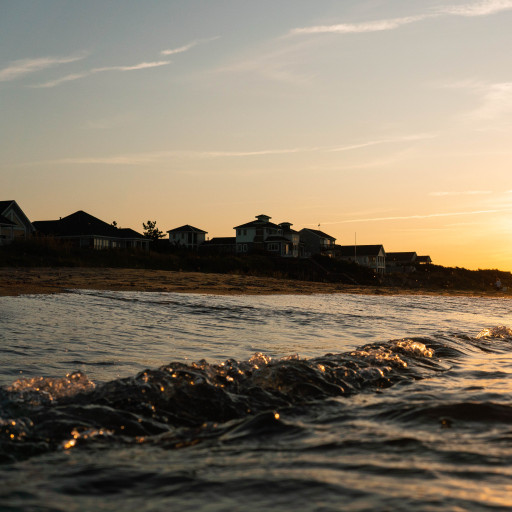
x,y
14,224
187,236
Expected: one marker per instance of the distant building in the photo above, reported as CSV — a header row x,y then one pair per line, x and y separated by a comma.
x,y
292,246
263,235
401,261
371,256
187,236
317,242
220,245
423,260
84,230
14,224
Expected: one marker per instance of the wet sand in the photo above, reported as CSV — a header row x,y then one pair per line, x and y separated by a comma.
x,y
18,281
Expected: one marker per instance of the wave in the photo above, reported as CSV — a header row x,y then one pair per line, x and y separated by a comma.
x,y
181,404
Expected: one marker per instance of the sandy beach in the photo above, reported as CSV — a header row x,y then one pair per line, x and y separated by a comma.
x,y
18,281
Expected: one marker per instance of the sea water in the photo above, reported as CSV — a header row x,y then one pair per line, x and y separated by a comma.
x,y
162,401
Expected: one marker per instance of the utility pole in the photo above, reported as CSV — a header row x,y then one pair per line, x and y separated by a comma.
x,y
355,247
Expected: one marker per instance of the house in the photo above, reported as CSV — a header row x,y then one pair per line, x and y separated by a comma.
x,y
292,248
317,242
84,230
371,256
401,261
220,245
14,224
423,260
187,236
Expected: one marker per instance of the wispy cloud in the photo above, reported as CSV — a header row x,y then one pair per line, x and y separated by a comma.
x,y
77,76
415,217
163,156
403,138
495,98
461,193
188,46
20,68
483,8
355,28
474,9
142,65
496,101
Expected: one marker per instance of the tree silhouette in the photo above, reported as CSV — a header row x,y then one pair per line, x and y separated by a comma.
x,y
151,231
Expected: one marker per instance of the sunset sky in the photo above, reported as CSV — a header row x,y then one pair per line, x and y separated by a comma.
x,y
391,119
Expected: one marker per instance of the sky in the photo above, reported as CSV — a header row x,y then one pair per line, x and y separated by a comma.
x,y
381,121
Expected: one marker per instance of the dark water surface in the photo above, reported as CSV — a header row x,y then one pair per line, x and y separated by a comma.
x,y
132,401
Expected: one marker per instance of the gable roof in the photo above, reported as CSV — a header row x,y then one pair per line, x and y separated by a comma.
x,y
5,205
401,257
81,223
187,228
258,224
318,233
360,250
4,221
423,259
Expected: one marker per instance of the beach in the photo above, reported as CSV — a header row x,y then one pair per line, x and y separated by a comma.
x,y
43,280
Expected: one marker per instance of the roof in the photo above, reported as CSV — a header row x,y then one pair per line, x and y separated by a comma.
x,y
4,221
5,204
401,257
129,233
360,250
82,223
258,224
187,228
285,226
318,233
423,259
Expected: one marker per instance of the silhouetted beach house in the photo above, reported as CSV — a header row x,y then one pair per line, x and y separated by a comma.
x,y
317,242
371,256
423,260
263,235
220,245
14,224
187,236
401,261
84,230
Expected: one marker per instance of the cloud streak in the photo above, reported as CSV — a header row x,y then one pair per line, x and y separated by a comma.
x,y
482,8
495,99
357,28
77,76
20,68
416,217
163,156
461,193
188,46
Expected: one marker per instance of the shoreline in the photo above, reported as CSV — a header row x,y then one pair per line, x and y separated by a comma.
x,y
16,281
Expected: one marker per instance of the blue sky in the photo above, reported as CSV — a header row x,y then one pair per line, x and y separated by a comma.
x,y
389,119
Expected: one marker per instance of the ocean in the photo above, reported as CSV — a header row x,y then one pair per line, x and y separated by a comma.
x,y
118,401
